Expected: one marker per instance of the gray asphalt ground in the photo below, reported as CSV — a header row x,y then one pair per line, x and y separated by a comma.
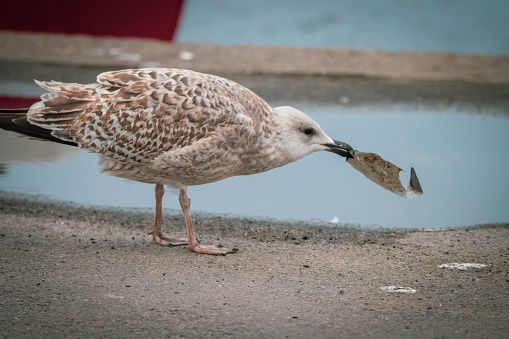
x,y
74,271
83,271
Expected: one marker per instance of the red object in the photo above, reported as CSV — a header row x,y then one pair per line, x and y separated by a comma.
x,y
8,102
156,19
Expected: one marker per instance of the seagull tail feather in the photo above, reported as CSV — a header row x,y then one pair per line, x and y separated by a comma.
x,y
15,120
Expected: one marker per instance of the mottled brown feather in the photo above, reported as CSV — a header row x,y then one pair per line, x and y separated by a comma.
x,y
134,117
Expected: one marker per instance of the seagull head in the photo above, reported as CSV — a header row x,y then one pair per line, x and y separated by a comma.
x,y
301,135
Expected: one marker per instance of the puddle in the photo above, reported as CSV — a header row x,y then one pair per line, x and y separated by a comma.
x,y
462,161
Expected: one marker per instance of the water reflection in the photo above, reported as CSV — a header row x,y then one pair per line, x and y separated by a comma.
x,y
19,150
462,161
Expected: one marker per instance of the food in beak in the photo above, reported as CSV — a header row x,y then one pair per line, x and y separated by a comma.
x,y
385,174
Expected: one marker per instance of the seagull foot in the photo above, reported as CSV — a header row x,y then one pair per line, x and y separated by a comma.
x,y
203,249
169,241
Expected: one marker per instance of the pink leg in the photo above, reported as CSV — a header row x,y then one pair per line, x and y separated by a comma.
x,y
193,245
156,231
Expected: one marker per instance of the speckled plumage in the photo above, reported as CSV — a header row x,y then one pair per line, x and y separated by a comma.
x,y
172,127
169,126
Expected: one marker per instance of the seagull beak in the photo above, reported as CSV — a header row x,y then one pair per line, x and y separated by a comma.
x,y
340,148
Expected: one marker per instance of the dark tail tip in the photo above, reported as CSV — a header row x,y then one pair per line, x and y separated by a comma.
x,y
15,120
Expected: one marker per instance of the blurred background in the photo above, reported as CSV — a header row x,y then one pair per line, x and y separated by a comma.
x,y
469,26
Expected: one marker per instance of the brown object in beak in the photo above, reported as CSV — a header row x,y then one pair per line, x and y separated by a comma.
x,y
385,174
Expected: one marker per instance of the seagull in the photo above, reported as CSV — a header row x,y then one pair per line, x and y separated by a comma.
x,y
172,127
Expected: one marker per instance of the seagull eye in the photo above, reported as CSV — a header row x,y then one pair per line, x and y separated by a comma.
x,y
308,131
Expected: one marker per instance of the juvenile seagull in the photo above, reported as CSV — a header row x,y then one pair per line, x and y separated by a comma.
x,y
172,127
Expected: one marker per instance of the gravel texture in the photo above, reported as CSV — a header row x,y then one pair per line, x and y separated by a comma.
x,y
82,271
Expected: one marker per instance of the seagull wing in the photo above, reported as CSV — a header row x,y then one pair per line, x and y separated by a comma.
x,y
136,115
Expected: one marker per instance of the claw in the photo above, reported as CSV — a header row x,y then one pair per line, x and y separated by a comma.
x,y
167,241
